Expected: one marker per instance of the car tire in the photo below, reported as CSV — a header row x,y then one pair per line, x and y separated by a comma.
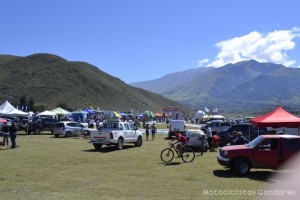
x,y
37,131
241,167
139,142
97,146
120,143
68,134
56,136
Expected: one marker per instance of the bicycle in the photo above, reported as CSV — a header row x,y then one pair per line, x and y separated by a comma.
x,y
167,154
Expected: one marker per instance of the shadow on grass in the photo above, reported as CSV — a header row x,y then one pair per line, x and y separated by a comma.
x,y
253,175
108,149
171,163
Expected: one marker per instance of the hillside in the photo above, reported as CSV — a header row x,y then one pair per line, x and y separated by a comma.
x,y
248,86
52,80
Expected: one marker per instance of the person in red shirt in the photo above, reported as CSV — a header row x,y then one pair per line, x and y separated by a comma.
x,y
181,140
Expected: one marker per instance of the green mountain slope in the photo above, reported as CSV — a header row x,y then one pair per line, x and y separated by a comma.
x,y
51,80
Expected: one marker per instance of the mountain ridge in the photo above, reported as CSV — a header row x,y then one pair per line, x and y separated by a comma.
x,y
51,80
250,84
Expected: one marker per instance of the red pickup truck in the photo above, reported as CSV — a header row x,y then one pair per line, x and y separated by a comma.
x,y
265,151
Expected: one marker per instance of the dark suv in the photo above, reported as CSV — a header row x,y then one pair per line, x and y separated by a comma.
x,y
41,124
248,130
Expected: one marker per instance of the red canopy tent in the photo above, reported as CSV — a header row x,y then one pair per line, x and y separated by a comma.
x,y
276,118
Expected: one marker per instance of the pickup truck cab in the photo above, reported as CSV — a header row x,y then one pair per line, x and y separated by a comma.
x,y
265,151
115,132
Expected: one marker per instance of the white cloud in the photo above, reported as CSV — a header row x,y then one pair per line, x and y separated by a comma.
x,y
202,62
270,47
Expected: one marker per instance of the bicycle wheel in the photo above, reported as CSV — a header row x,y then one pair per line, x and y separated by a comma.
x,y
188,155
167,155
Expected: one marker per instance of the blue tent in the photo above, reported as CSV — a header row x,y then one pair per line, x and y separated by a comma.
x,y
89,111
79,115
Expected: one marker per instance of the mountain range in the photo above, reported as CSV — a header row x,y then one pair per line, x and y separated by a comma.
x,y
243,87
49,80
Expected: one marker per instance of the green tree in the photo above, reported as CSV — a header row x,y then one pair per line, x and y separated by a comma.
x,y
39,107
31,104
23,100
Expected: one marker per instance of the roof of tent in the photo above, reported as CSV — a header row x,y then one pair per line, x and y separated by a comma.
x,y
7,109
48,113
276,118
60,111
89,111
79,112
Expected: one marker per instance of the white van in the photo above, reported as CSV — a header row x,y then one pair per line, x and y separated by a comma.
x,y
176,125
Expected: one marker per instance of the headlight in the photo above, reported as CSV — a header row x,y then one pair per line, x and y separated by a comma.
x,y
225,153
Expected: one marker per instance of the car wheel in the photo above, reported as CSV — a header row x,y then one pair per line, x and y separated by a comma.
x,y
241,167
56,136
119,144
68,134
37,131
97,146
139,142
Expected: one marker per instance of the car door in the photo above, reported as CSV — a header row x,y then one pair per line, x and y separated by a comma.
x,y
78,129
290,146
72,127
128,133
266,154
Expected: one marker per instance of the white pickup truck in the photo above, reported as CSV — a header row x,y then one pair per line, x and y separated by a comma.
x,y
115,132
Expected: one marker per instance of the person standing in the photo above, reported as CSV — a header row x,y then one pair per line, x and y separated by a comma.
x,y
147,131
208,135
13,135
153,131
5,132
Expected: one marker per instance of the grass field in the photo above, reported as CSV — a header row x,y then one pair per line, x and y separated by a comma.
x,y
44,167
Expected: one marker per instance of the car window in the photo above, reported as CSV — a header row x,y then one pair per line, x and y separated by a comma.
x,y
126,126
79,125
59,125
71,124
291,144
194,135
269,144
131,126
111,125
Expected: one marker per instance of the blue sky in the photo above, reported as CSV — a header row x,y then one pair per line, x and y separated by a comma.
x,y
137,40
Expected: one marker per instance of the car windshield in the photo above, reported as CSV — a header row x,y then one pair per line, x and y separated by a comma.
x,y
254,142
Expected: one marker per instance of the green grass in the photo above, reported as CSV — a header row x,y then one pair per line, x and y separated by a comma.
x,y
44,167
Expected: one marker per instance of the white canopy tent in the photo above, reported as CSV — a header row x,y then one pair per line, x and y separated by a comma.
x,y
48,113
6,109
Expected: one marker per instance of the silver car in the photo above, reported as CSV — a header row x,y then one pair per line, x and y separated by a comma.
x,y
69,128
197,140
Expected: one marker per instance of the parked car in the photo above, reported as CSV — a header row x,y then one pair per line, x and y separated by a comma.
x,y
249,131
69,128
265,151
39,124
197,140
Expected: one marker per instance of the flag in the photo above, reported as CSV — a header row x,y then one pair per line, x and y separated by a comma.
x,y
206,109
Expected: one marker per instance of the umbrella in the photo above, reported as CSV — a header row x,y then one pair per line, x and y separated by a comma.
x,y
2,120
149,114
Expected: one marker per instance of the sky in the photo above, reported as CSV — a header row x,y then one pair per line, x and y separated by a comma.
x,y
139,40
